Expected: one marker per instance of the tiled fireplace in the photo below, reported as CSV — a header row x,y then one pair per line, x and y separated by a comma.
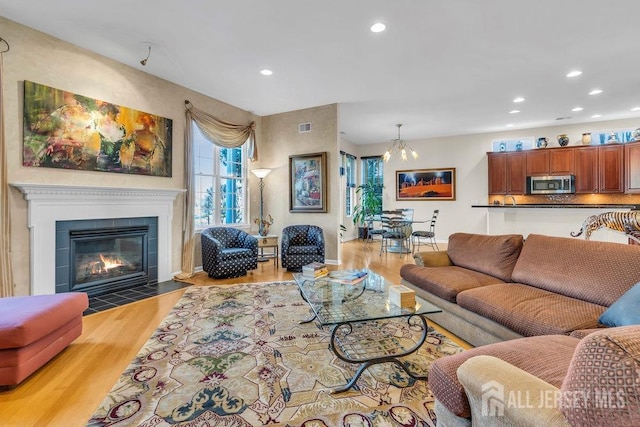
x,y
101,256
108,208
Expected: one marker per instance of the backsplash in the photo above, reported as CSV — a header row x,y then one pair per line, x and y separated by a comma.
x,y
577,199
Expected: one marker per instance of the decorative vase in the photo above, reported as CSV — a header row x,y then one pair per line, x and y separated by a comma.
x,y
636,135
586,138
264,229
613,138
563,140
542,142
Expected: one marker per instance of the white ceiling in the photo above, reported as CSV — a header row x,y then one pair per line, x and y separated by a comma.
x,y
442,67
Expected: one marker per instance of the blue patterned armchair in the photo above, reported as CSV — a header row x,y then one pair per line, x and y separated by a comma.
x,y
228,252
301,245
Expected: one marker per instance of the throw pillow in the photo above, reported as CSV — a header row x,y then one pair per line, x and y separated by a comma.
x,y
625,311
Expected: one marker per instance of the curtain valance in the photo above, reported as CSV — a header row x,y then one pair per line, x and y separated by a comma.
x,y
223,133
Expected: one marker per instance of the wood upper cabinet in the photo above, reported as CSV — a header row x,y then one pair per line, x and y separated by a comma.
x,y
553,161
586,169
516,173
507,173
537,162
610,167
561,161
497,173
599,169
632,167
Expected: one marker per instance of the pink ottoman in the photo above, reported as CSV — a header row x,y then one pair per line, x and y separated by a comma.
x,y
33,329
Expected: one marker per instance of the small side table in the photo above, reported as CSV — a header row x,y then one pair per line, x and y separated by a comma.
x,y
268,241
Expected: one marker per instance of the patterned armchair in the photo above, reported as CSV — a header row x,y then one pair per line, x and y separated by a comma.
x,y
228,252
301,245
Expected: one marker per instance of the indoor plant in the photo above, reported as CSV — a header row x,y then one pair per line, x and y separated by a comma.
x,y
370,204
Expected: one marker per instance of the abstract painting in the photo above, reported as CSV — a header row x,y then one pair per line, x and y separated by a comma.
x,y
70,131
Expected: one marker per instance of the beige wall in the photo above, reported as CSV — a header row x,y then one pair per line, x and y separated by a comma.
x,y
43,59
281,131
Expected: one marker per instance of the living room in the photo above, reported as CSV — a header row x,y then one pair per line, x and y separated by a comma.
x,y
38,57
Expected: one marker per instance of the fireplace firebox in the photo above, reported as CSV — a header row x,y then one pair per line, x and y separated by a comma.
x,y
108,258
105,256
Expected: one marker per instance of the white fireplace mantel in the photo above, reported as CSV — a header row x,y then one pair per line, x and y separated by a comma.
x,y
50,203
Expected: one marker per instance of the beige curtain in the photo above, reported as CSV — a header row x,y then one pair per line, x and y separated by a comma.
x,y
6,270
221,133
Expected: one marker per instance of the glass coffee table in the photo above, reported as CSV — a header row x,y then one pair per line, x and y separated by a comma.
x,y
352,312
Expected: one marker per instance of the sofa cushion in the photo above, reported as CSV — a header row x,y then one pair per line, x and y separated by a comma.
x,y
597,272
602,385
445,282
625,311
493,255
525,353
530,311
26,319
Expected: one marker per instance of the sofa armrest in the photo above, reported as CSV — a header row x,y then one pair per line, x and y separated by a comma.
x,y
581,333
501,394
432,259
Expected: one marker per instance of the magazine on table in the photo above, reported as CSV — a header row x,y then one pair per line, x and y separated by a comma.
x,y
348,277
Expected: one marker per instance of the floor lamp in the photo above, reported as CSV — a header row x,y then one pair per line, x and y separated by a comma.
x,y
261,174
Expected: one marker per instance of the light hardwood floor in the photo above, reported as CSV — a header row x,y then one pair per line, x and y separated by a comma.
x,y
67,390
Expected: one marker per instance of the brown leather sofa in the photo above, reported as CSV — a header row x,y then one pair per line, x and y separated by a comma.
x,y
497,288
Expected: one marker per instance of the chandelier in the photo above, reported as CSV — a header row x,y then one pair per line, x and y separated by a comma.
x,y
399,145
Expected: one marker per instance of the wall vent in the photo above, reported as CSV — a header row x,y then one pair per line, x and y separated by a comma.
x,y
304,127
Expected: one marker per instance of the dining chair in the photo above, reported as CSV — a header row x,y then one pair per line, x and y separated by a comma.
x,y
427,238
395,229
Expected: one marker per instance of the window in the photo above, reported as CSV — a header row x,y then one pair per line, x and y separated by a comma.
x,y
220,183
373,171
349,163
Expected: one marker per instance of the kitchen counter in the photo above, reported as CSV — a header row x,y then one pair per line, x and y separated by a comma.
x,y
561,205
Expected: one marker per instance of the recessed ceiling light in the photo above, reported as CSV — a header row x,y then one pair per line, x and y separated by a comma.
x,y
635,109
595,92
266,72
577,109
574,73
378,27
514,111
518,99
510,125
595,116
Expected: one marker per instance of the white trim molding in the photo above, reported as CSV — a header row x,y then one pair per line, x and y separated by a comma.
x,y
50,203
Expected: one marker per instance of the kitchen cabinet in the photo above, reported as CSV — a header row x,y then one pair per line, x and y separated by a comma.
x,y
599,169
610,168
561,161
632,167
497,173
507,172
554,161
516,173
586,169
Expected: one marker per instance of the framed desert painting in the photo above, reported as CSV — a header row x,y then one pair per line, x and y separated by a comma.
x,y
71,131
426,184
308,182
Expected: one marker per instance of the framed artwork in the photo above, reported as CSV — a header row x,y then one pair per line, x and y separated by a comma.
x,y
70,131
308,182
426,184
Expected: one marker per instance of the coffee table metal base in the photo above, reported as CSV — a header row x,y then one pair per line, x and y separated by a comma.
x,y
373,358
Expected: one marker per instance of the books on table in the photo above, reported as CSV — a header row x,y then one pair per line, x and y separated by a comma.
x,y
348,277
315,270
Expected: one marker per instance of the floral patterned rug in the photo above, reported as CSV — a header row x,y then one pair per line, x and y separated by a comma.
x,y
237,356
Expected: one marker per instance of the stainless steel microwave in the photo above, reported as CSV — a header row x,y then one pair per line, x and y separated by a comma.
x,y
565,184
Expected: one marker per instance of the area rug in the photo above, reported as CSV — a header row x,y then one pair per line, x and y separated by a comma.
x,y
237,356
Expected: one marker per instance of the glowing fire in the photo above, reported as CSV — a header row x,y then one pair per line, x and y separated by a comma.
x,y
110,262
